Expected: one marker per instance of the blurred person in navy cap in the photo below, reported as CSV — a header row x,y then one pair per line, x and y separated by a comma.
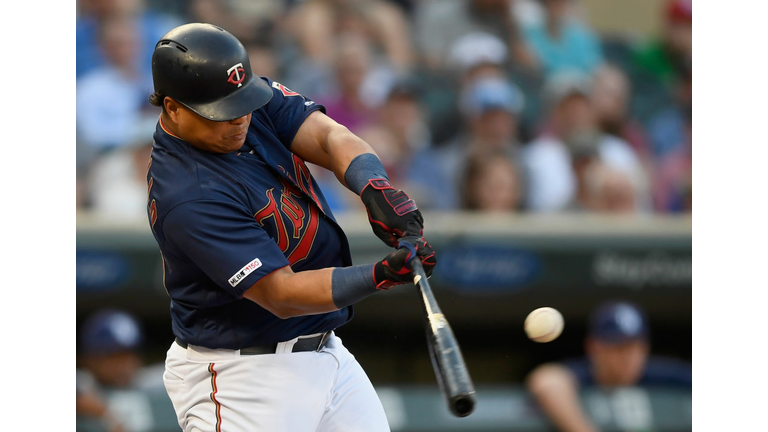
x,y
112,374
618,354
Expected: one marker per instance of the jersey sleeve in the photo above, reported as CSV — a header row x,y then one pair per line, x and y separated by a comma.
x,y
225,242
287,110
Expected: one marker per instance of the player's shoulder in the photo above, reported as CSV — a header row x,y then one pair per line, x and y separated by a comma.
x,y
667,371
581,369
175,177
283,95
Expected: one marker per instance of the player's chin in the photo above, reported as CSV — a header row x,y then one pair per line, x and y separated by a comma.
x,y
233,143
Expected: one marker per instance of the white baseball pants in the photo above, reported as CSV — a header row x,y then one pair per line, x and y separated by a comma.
x,y
221,391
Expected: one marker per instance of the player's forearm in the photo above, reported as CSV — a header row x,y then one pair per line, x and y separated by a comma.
x,y
557,395
343,147
287,294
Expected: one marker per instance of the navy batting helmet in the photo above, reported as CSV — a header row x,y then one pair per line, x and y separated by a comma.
x,y
206,69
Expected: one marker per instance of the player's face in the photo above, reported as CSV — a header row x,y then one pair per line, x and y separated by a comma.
x,y
212,136
117,370
618,364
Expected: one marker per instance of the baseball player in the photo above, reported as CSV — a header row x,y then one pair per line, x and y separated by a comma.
x,y
258,271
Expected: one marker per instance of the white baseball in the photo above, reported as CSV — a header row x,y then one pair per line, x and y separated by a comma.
x,y
544,324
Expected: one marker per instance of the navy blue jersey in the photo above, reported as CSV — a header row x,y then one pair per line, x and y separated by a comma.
x,y
224,221
658,371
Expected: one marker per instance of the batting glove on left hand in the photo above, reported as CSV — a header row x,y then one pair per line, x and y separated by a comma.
x,y
391,212
394,270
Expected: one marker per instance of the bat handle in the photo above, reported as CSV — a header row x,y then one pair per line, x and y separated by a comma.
x,y
417,269
414,263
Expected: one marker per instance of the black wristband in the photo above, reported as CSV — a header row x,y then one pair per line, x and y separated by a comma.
x,y
349,285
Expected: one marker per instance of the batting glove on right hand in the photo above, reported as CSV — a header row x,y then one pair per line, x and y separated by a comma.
x,y
393,270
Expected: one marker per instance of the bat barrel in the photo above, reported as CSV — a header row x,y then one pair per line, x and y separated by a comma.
x,y
450,370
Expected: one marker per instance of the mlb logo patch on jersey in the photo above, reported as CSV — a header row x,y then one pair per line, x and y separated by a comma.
x,y
245,271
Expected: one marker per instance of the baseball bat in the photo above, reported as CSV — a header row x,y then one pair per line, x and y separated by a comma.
x,y
450,370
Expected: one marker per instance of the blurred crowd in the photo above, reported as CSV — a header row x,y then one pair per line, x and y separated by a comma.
x,y
475,105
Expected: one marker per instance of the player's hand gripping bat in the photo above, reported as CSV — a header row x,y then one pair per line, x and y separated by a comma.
x,y
450,370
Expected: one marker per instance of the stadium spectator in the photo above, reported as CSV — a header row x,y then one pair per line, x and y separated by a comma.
x,y
112,372
93,14
251,21
439,24
477,55
401,125
603,190
561,41
599,188
314,30
399,132
491,184
359,84
111,102
490,108
548,159
611,98
617,349
669,57
673,178
263,61
472,56
316,25
117,185
670,134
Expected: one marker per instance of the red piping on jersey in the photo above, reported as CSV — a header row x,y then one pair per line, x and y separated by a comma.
x,y
165,129
213,397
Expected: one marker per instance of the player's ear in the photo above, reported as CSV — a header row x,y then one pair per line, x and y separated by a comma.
x,y
172,108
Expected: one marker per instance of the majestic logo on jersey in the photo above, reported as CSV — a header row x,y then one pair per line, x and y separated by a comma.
x,y
285,90
245,271
236,74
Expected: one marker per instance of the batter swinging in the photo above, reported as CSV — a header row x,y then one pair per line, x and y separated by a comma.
x,y
258,271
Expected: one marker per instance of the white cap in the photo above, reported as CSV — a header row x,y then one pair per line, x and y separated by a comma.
x,y
476,48
562,84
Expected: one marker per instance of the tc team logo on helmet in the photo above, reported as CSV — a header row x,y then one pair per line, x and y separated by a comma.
x,y
236,74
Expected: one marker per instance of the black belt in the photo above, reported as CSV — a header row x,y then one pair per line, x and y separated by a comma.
x,y
315,343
